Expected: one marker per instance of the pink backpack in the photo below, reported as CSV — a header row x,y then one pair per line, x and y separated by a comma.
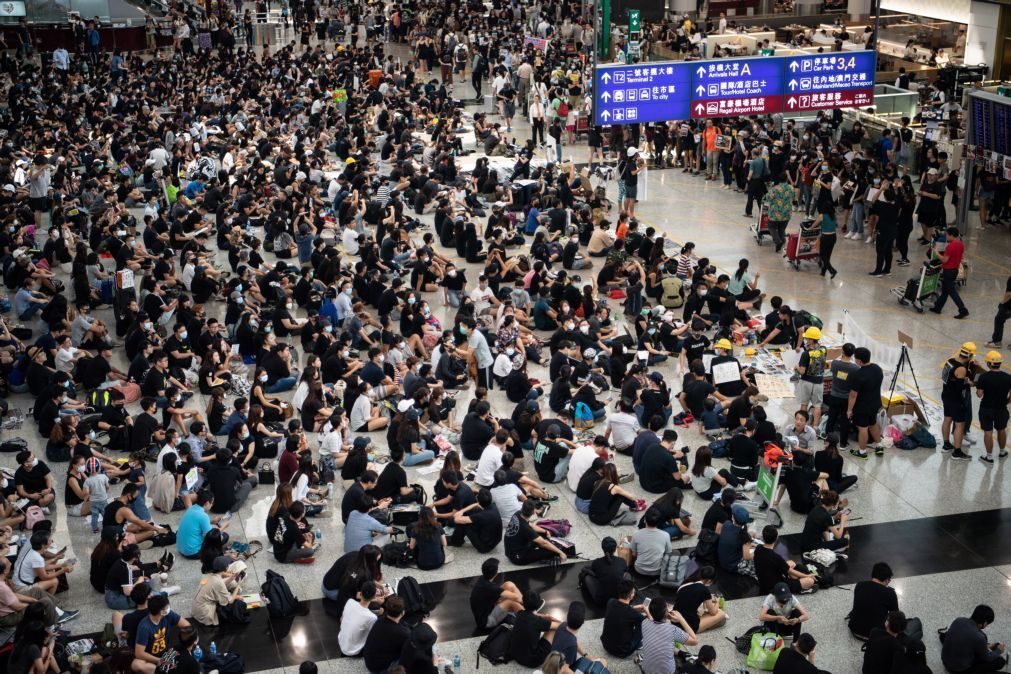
x,y
556,527
33,515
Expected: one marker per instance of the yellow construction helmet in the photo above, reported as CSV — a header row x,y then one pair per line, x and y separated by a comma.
x,y
724,344
812,333
994,358
968,349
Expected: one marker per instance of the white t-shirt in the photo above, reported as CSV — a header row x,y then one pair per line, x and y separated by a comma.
x,y
624,429
65,359
481,298
506,499
490,461
355,626
166,450
24,567
331,443
361,412
300,490
300,395
503,365
582,459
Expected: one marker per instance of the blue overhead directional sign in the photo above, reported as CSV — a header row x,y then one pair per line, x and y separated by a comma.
x,y
647,92
658,92
839,80
730,87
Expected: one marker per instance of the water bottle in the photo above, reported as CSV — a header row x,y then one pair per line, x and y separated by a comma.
x,y
319,535
214,648
198,653
456,664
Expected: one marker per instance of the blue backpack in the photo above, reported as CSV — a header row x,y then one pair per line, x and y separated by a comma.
x,y
583,416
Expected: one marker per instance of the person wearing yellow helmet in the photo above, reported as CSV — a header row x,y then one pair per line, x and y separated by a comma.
x,y
956,379
993,388
728,376
810,389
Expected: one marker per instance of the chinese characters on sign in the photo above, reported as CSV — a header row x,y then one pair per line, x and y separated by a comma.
x,y
656,92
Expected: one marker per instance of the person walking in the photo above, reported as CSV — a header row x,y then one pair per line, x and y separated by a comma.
x,y
757,171
951,260
826,241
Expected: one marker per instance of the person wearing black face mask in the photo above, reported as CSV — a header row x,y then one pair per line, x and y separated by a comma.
x,y
887,210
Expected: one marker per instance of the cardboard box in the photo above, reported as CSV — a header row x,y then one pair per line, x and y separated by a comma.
x,y
903,406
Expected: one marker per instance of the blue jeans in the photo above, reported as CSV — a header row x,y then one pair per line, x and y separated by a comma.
x,y
118,601
332,595
32,309
583,505
454,298
411,459
97,508
857,218
281,385
673,531
561,470
600,414
139,507
666,412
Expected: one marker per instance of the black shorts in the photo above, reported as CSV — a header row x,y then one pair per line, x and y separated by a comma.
x,y
993,420
39,204
631,191
865,418
954,408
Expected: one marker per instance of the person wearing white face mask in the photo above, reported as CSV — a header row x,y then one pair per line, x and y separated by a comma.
x,y
284,323
375,374
503,364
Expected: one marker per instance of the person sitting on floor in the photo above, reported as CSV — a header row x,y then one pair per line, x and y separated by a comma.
x,y
357,620
533,632
601,578
696,603
966,649
650,544
782,613
771,568
491,602
872,600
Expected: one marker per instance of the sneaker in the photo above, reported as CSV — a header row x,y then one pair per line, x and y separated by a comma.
x,y
886,273
959,455
879,450
306,560
994,345
986,458
749,486
858,453
625,479
903,262
869,239
934,310
875,273
550,498
947,446
46,511
962,314
1002,454
171,590
67,617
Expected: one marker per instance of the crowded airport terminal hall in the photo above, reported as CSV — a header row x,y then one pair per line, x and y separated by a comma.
x,y
505,336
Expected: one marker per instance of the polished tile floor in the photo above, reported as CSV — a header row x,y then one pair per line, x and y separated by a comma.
x,y
941,525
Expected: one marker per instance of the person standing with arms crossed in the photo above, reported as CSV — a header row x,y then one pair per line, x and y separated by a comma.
x,y
994,390
865,401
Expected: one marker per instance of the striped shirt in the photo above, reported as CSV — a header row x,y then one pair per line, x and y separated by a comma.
x,y
383,195
658,646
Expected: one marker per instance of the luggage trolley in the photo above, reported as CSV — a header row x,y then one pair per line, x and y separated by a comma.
x,y
760,227
920,288
803,245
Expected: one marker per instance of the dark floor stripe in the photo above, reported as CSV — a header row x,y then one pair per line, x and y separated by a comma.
x,y
912,548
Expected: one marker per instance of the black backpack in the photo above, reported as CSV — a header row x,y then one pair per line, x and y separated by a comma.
x,y
398,554
705,549
225,663
417,600
743,642
282,602
495,647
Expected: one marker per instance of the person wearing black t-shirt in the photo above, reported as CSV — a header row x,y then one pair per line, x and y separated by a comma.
x,y
872,600
602,577
719,512
798,658
826,518
993,387
392,482
526,543
533,632
698,595
744,452
387,637
491,602
178,659
865,401
479,522
771,568
695,391
621,635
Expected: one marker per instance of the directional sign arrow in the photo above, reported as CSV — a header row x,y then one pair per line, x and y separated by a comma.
x,y
792,102
701,71
605,115
606,96
793,84
606,77
701,89
699,108
794,66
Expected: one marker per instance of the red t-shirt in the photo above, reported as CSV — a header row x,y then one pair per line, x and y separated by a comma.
x,y
287,466
954,250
